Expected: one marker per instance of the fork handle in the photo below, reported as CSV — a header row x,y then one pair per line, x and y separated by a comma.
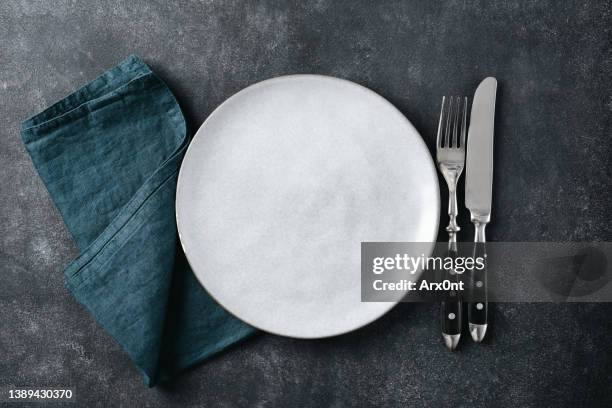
x,y
452,228
450,308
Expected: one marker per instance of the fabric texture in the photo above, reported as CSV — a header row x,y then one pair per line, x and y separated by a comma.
x,y
109,155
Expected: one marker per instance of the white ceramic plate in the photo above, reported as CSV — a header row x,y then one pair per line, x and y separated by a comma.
x,y
280,186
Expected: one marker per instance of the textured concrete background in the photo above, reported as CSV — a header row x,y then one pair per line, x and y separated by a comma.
x,y
553,61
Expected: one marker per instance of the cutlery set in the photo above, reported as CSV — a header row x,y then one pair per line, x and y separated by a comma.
x,y
451,158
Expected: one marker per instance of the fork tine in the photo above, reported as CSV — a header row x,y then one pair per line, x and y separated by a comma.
x,y
449,116
463,123
456,119
439,136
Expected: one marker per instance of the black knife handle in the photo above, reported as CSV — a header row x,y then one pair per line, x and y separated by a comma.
x,y
478,305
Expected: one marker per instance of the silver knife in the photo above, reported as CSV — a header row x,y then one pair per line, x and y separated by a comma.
x,y
478,192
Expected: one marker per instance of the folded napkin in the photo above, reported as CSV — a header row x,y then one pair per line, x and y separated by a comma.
x,y
109,154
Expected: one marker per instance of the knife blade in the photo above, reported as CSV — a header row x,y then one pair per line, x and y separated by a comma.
x,y
479,163
478,196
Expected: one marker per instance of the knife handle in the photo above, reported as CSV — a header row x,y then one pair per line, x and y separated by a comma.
x,y
478,305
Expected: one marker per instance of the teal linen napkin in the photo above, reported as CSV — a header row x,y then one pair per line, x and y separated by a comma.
x,y
109,154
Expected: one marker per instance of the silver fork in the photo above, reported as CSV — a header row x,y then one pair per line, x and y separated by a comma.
x,y
450,155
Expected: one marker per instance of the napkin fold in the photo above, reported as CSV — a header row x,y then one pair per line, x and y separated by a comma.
x,y
109,155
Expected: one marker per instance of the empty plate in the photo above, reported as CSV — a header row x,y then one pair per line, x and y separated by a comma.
x,y
280,186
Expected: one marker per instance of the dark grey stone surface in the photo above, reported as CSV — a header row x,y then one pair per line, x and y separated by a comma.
x,y
553,61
